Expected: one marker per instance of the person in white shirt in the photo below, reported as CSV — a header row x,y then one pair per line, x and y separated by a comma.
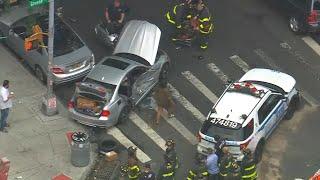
x,y
5,105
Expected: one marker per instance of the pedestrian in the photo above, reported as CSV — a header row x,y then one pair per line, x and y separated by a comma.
x,y
199,171
133,166
147,173
248,166
166,171
212,165
164,101
171,153
225,164
5,105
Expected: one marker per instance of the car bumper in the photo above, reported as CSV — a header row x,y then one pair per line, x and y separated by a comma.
x,y
63,78
204,149
313,28
89,120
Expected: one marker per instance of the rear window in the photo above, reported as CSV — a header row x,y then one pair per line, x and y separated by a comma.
x,y
232,134
115,63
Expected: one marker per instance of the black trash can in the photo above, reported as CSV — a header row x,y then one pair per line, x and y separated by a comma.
x,y
80,149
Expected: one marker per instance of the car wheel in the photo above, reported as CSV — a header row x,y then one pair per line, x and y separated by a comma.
x,y
294,25
40,74
163,79
124,115
259,152
293,106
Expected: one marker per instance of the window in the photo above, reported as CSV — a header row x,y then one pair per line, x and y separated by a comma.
x,y
268,106
115,63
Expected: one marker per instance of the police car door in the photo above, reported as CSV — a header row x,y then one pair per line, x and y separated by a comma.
x,y
270,113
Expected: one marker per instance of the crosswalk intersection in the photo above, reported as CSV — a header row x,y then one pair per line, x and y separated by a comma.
x,y
180,124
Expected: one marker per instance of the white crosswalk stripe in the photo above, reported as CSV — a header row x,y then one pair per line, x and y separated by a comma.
x,y
200,86
119,136
186,104
215,69
312,43
239,62
147,130
181,129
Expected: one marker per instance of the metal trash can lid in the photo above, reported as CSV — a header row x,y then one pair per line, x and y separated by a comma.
x,y
79,136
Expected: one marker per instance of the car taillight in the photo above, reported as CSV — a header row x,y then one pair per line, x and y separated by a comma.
x,y
57,70
198,136
244,145
70,105
105,113
312,18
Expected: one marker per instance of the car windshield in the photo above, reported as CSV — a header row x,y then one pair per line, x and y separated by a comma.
x,y
109,88
211,130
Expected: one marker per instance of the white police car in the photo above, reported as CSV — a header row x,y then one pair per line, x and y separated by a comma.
x,y
249,110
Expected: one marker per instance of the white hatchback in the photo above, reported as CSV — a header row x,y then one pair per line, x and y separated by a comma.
x,y
249,110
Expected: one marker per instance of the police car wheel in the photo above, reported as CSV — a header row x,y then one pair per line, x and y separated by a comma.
x,y
293,106
259,151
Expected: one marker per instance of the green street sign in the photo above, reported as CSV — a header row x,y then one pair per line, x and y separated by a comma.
x,y
33,3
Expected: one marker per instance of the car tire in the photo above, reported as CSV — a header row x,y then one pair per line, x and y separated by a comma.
x,y
259,151
40,74
163,79
293,106
124,115
295,25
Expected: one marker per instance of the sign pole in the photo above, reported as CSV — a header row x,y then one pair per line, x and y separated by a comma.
x,y
49,104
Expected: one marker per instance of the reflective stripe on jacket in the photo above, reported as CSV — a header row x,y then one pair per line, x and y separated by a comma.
x,y
171,15
134,172
249,170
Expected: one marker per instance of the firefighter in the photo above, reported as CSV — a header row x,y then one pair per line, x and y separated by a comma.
x,y
133,167
248,166
171,154
177,15
225,163
205,28
166,171
199,172
235,171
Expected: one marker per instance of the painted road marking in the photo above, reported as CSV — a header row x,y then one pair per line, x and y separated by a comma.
x,y
212,67
200,86
268,60
312,43
147,130
239,62
183,101
119,136
181,129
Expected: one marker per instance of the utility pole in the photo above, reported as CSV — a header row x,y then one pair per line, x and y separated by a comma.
x,y
49,104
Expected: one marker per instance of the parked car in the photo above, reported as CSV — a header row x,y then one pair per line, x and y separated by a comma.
x,y
248,112
72,58
303,15
121,81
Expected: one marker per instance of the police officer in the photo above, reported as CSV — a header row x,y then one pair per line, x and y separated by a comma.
x,y
202,14
147,173
133,167
248,166
225,163
220,143
199,172
171,154
166,171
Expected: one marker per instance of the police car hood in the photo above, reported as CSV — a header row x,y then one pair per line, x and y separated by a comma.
x,y
282,80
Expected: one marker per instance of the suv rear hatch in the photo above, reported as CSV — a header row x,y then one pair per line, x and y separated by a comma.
x,y
91,98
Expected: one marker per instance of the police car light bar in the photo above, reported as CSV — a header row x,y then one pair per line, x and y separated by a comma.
x,y
247,86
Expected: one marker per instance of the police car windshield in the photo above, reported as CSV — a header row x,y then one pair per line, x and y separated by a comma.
x,y
211,130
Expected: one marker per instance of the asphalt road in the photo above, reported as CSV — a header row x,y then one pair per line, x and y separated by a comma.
x,y
254,30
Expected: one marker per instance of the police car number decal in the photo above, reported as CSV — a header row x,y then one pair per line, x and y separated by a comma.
x,y
224,123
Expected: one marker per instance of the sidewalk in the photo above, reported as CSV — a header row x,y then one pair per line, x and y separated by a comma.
x,y
36,145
